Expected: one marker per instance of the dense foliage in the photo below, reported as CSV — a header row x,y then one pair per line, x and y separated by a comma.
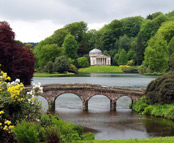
x,y
158,110
83,62
161,90
16,58
21,119
142,39
16,105
61,64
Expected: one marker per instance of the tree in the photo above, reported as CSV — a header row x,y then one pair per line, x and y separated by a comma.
x,y
61,64
108,39
131,26
83,48
77,29
154,15
167,30
82,62
70,46
122,58
156,57
59,36
171,52
124,43
37,49
49,67
115,59
15,59
48,53
131,55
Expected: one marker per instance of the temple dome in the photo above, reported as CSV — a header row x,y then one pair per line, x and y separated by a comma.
x,y
96,52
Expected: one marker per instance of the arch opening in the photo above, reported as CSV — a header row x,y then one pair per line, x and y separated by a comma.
x,y
123,102
99,103
68,102
44,102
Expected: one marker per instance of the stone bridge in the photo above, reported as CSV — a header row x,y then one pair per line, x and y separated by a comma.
x,y
86,91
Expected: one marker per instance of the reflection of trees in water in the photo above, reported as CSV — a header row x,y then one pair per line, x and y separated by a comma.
x,y
159,127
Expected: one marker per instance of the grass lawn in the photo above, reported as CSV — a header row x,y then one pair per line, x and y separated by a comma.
x,y
101,69
149,140
51,75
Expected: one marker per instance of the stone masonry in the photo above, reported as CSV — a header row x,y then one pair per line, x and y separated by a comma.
x,y
86,91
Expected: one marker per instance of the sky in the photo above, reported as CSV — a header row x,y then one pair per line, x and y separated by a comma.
x,y
34,20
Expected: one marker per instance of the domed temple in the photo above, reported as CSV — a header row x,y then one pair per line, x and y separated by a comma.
x,y
97,58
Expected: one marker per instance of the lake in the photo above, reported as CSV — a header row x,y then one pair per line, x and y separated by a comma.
x,y
120,124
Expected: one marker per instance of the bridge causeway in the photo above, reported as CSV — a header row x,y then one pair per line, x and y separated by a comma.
x,y
85,91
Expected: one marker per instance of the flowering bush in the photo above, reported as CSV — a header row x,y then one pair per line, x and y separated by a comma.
x,y
15,104
124,66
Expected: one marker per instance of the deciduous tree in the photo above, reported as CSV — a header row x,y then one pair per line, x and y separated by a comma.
x,y
15,59
70,46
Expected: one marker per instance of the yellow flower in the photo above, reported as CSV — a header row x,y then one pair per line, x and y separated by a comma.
x,y
8,78
0,124
7,122
5,127
1,112
11,127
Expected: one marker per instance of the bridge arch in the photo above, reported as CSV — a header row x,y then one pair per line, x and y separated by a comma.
x,y
86,91
68,100
126,99
101,97
59,94
93,95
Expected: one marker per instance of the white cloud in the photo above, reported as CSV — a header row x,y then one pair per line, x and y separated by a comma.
x,y
33,32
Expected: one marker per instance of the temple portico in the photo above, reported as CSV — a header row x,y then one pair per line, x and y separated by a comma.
x,y
97,58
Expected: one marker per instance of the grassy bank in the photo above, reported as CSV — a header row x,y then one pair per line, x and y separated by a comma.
x,y
101,69
51,74
149,140
157,110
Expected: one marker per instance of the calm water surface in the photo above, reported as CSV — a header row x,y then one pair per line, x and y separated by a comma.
x,y
121,124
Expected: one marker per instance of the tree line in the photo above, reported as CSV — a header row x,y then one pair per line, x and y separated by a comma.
x,y
134,40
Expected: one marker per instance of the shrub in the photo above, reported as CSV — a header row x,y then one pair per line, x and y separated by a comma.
x,y
61,64
130,70
49,67
161,90
88,136
73,69
82,62
148,109
140,104
131,63
169,114
15,104
52,134
26,132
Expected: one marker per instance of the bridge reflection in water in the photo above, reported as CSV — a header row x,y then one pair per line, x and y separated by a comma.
x,y
87,91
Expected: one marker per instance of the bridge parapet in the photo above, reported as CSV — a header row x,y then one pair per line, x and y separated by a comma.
x,y
86,91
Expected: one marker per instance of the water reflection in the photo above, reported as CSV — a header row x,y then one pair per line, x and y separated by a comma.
x,y
121,124
112,79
